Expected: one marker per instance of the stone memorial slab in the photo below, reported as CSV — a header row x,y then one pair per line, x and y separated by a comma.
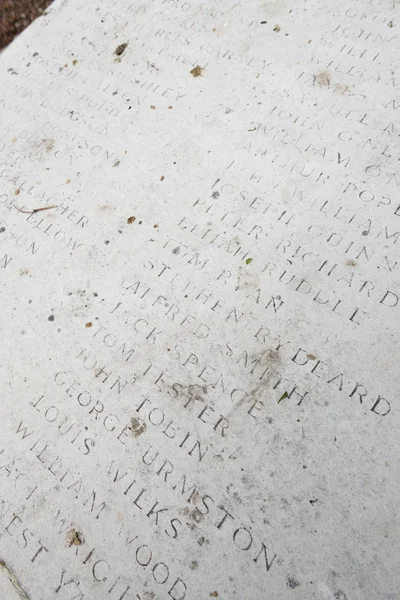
x,y
199,227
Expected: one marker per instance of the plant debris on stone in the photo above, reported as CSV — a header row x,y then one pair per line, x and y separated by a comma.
x,y
121,49
197,71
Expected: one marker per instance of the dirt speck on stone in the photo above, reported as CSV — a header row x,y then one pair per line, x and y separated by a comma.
x,y
121,49
197,71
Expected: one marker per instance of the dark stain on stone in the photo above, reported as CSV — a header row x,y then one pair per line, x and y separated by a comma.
x,y
193,514
202,540
292,583
138,427
323,78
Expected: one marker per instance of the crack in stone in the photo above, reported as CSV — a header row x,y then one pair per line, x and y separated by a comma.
x,y
21,593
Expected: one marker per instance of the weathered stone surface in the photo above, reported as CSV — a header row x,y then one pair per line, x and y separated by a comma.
x,y
199,217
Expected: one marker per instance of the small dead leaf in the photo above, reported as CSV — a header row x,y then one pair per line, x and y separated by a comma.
x,y
197,71
162,178
121,49
131,220
311,356
89,324
277,28
284,395
74,538
153,107
214,594
248,261
155,226
68,181
169,107
17,192
75,62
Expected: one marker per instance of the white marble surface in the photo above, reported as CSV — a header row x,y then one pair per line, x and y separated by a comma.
x,y
199,363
